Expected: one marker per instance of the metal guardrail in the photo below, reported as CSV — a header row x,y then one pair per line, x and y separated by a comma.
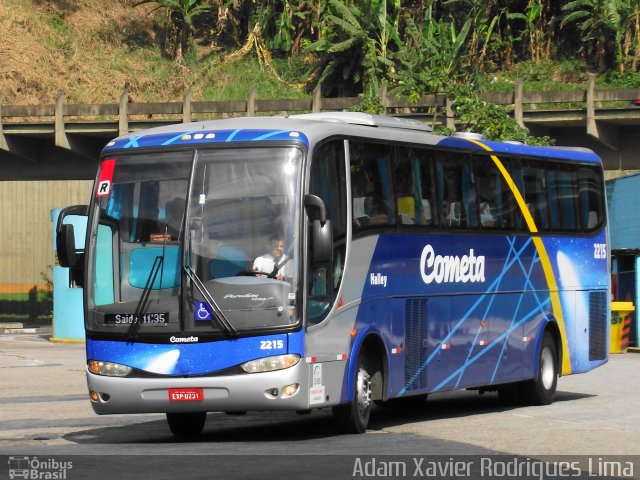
x,y
590,107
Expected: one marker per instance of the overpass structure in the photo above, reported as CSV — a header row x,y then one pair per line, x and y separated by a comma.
x,y
49,153
62,141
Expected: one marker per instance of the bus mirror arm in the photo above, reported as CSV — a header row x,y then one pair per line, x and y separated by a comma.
x,y
315,208
65,236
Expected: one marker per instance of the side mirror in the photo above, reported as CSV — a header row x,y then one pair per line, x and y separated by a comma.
x,y
321,232
65,236
322,238
66,246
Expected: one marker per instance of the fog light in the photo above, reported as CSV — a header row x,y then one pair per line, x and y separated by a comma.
x,y
94,396
290,390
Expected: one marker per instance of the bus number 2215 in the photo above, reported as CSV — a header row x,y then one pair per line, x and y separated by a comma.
x,y
599,250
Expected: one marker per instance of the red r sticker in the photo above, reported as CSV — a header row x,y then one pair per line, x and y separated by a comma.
x,y
105,178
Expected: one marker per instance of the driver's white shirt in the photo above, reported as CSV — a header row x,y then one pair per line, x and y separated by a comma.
x,y
266,264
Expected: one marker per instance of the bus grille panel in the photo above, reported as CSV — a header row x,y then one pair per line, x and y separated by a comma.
x,y
415,353
597,325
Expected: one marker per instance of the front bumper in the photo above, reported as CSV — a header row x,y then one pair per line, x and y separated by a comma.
x,y
223,393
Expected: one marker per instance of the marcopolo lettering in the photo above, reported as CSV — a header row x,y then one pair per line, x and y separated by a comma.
x,y
449,268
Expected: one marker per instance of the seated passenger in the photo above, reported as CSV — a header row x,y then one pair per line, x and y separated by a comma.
x,y
407,210
378,213
486,217
452,218
427,218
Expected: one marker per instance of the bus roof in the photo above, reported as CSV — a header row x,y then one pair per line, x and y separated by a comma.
x,y
310,128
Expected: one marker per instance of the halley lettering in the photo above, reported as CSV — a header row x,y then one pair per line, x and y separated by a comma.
x,y
378,279
451,269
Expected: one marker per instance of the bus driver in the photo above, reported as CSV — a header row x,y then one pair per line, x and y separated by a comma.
x,y
275,262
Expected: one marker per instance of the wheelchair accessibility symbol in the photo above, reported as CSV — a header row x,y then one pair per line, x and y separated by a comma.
x,y
201,312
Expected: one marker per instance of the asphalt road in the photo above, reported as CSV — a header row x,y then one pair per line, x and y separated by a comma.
x,y
45,413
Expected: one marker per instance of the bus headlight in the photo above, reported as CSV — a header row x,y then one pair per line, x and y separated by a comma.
x,y
269,364
109,369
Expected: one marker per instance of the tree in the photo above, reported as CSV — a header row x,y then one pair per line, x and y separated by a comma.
x,y
493,121
432,59
537,21
601,23
181,14
355,44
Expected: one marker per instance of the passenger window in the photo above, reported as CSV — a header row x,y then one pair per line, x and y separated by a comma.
x,y
591,201
496,204
328,181
414,186
371,190
563,198
456,191
530,179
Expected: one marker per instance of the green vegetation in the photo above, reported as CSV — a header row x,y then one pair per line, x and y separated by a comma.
x,y
93,49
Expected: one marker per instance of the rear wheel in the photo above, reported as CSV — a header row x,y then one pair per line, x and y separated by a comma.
x,y
541,390
354,417
509,394
186,425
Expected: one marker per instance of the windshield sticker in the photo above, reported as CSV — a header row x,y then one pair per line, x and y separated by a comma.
x,y
105,178
201,312
160,237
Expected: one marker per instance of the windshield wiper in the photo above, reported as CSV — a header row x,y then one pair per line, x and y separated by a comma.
x,y
142,303
217,314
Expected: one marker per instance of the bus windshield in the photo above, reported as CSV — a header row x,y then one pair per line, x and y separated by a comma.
x,y
202,242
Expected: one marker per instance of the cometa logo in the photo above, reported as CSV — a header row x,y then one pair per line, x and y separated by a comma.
x,y
191,339
450,269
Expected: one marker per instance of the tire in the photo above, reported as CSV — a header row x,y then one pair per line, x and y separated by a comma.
x,y
186,425
509,394
354,417
541,390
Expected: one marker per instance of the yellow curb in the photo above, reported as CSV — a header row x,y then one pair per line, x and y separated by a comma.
x,y
65,340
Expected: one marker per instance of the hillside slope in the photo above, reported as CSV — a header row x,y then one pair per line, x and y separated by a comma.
x,y
92,49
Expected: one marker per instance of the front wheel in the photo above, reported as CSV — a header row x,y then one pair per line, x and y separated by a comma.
x,y
541,390
186,425
354,417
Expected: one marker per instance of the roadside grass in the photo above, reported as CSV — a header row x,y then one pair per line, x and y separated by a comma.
x,y
14,297
92,50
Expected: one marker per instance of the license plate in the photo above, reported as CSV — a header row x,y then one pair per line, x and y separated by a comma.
x,y
186,394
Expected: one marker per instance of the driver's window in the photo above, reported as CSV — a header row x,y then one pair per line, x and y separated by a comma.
x,y
328,181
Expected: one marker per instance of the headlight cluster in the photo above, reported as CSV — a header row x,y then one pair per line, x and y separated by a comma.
x,y
269,364
109,369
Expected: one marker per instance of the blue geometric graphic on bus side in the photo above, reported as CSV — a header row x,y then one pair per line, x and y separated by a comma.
x,y
503,338
521,305
513,259
204,137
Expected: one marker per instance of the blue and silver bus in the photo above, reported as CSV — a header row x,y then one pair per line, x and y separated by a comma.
x,y
409,263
